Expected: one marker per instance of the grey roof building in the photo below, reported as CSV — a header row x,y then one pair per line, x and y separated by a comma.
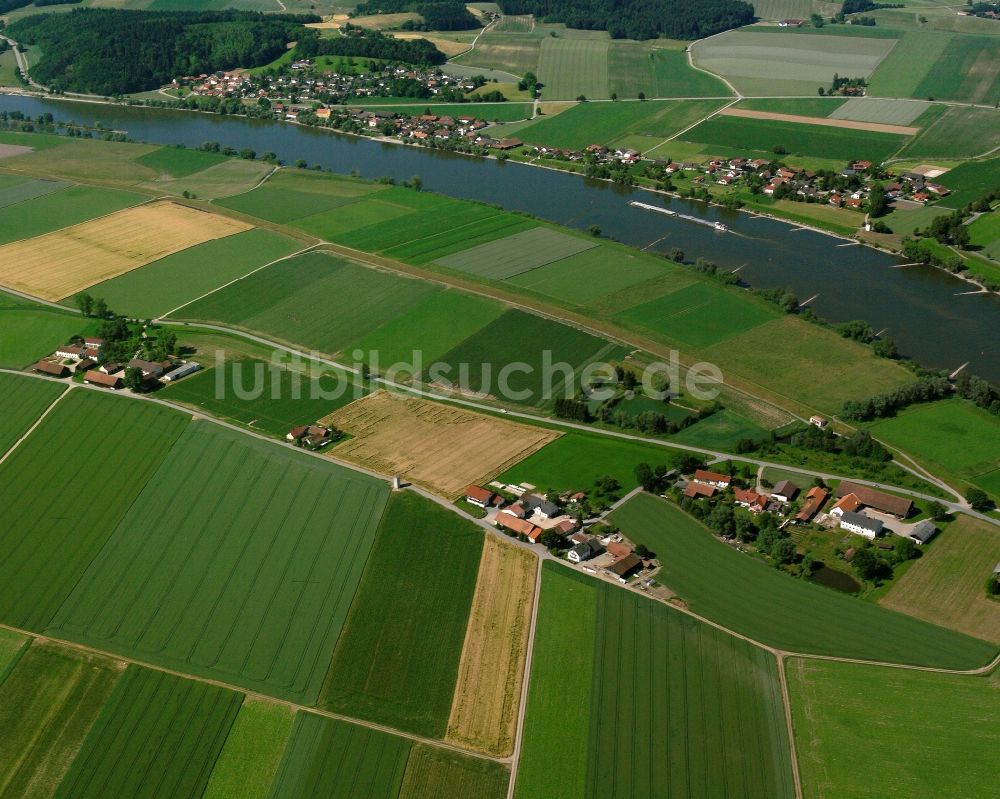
x,y
923,532
861,524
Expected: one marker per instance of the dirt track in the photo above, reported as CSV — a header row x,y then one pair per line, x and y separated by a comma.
x,y
876,127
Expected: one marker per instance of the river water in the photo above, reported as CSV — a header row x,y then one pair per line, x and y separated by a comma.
x,y
927,311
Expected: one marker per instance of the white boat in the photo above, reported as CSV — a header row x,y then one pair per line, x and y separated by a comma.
x,y
720,226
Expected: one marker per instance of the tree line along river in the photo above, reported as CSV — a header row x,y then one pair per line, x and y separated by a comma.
x,y
929,313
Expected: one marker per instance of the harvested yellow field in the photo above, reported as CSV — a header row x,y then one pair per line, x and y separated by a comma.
x,y
490,674
66,261
432,445
947,585
447,46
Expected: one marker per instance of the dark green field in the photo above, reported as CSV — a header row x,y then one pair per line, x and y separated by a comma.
x,y
330,759
264,397
47,705
161,286
158,736
22,401
179,162
433,772
818,141
408,621
32,330
61,209
780,610
237,562
969,181
47,534
290,195
968,70
521,338
288,301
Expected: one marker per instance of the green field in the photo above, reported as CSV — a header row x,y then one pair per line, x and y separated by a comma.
x,y
513,53
969,181
957,133
158,735
967,71
286,301
22,401
517,337
16,189
764,135
933,732
701,314
407,623
571,67
721,431
247,581
161,286
811,107
650,706
263,396
574,461
779,610
60,209
49,540
290,195
47,705
448,242
230,176
179,162
12,645
889,112
985,233
433,772
907,65
330,759
32,330
512,255
658,72
249,760
951,436
606,123
440,322
772,61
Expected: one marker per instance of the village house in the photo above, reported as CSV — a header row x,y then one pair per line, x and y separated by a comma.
x,y
712,478
846,504
585,550
51,368
625,567
70,351
814,501
750,499
818,421
695,490
97,378
785,491
148,368
478,496
514,525
861,525
879,500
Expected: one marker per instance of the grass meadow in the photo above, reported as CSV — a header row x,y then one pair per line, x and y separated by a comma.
x,y
47,705
411,635
721,431
22,401
250,757
250,583
969,181
179,162
779,610
163,285
903,71
290,195
32,330
946,585
60,209
968,70
509,52
158,735
230,176
937,728
434,772
49,544
959,132
521,252
329,759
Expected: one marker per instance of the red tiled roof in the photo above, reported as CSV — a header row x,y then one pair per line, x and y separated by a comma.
x,y
479,494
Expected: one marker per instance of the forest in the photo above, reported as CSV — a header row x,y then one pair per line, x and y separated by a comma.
x,y
361,43
640,19
110,52
13,5
438,15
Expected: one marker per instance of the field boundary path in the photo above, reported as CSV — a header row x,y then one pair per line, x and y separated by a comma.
x,y
31,429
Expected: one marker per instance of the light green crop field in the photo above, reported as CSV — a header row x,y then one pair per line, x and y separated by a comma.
x,y
908,64
17,189
161,286
231,176
12,645
330,759
722,430
970,181
512,255
806,107
777,609
937,728
286,301
263,396
158,735
179,162
249,760
574,461
289,195
32,330
432,772
596,273
448,242
48,544
783,9
250,583
797,138
890,112
605,123
22,401
343,219
59,209
951,435
985,233
657,72
701,314
571,67
47,705
968,70
517,337
946,585
762,63
439,323
559,708
509,52
388,645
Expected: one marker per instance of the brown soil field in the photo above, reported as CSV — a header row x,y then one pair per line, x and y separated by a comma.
x,y
947,586
877,127
11,150
488,691
440,448
61,263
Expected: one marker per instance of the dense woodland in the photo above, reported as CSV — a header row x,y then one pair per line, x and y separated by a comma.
x,y
104,51
13,5
359,43
438,15
640,19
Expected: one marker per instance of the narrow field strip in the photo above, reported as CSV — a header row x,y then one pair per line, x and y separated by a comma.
x,y
830,122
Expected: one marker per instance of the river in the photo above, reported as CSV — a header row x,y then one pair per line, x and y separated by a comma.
x,y
928,312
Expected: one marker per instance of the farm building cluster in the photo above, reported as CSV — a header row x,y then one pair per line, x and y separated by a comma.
x,y
556,523
85,359
313,436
